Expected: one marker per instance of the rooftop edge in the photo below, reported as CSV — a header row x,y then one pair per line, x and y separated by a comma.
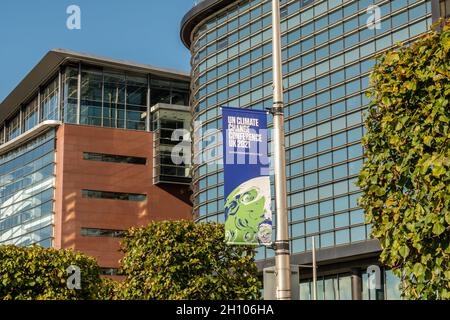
x,y
199,12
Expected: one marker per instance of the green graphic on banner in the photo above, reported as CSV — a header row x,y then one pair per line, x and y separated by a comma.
x,y
248,208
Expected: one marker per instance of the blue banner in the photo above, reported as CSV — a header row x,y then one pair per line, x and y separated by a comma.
x,y
248,215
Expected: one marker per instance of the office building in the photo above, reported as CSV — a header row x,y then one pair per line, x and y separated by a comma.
x,y
328,49
85,153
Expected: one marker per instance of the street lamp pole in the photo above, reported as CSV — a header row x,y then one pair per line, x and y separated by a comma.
x,y
282,253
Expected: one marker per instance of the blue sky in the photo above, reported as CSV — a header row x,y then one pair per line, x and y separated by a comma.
x,y
144,31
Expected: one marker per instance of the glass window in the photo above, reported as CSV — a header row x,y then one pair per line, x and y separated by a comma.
x,y
337,78
339,139
311,195
310,149
345,287
297,214
358,234
324,144
326,224
30,115
114,100
325,160
309,134
326,207
392,284
312,211
342,237
341,188
312,226
50,101
340,171
298,229
339,155
310,164
341,220
354,151
297,199
325,192
298,245
327,239
341,203
114,158
305,290
325,175
336,47
90,232
355,135
113,195
136,102
91,97
357,217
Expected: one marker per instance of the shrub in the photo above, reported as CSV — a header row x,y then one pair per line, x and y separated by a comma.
x,y
406,178
184,260
35,273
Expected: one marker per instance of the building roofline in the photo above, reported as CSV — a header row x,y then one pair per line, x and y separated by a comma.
x,y
198,13
55,58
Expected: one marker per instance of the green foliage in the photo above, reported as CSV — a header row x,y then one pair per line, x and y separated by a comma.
x,y
109,289
40,274
188,261
406,179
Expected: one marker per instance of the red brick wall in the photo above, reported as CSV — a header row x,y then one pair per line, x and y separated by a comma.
x,y
73,174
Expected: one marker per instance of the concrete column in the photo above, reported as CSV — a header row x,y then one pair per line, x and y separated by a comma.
x,y
356,284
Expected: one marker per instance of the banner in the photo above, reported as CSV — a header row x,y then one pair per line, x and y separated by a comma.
x,y
248,216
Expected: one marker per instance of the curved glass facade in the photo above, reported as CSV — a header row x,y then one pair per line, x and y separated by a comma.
x,y
328,50
26,193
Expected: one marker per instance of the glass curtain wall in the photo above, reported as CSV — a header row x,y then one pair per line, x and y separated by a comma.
x,y
91,97
70,94
26,193
108,98
33,112
13,128
336,287
164,124
339,287
30,115
115,99
50,101
390,289
328,51
136,102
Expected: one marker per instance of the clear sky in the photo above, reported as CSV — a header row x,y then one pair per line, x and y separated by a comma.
x,y
143,31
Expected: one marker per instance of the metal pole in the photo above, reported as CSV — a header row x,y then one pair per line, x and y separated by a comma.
x,y
282,254
314,267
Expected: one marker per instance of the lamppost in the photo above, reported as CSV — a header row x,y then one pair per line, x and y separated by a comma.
x,y
282,253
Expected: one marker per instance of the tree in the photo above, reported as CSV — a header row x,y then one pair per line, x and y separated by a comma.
x,y
184,260
406,178
36,273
